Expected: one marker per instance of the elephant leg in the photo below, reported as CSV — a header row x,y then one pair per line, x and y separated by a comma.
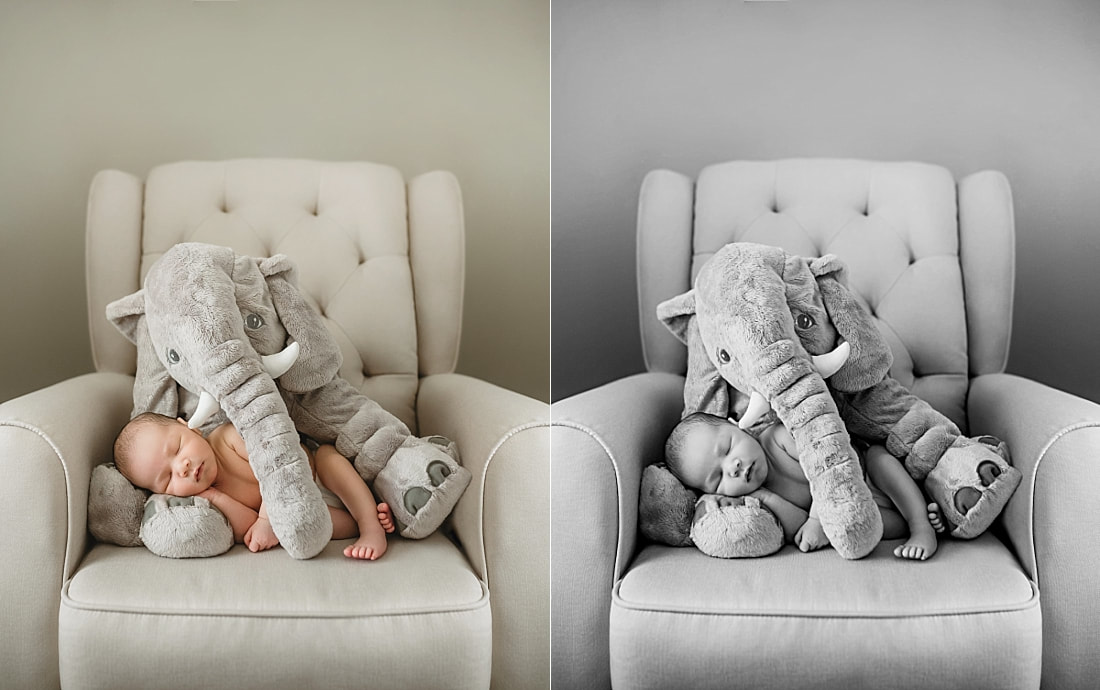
x,y
420,479
920,438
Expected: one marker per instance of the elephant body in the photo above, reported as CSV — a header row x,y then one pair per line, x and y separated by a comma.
x,y
226,336
756,323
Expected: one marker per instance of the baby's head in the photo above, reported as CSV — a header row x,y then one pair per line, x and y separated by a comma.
x,y
712,455
162,455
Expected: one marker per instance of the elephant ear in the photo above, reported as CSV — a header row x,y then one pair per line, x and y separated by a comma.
x,y
154,389
126,313
678,314
320,359
704,390
870,358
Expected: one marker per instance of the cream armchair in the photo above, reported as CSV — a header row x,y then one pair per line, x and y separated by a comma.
x,y
933,259
383,261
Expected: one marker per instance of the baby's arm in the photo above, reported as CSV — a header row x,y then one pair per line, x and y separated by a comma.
x,y
791,517
260,536
241,517
811,536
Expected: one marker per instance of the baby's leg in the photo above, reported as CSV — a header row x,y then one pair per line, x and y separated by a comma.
x,y
337,473
888,474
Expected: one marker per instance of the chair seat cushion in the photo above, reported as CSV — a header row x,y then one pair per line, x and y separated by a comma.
x,y
968,617
418,617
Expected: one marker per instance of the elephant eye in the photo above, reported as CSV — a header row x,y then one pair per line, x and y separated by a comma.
x,y
173,356
253,321
723,356
804,321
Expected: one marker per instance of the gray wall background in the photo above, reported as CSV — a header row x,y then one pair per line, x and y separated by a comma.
x,y
1012,85
129,84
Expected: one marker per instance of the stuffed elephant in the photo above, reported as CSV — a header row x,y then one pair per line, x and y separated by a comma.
x,y
765,330
214,331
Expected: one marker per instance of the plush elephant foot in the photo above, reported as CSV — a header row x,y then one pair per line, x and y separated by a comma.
x,y
726,527
422,482
847,512
972,483
190,527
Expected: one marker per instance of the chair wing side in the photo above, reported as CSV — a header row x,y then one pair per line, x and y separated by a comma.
x,y
49,442
112,262
602,439
1054,438
987,251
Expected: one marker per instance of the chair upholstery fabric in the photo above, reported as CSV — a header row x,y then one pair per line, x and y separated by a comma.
x,y
932,259
382,259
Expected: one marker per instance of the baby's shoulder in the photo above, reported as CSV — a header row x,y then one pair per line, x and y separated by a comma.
x,y
225,439
777,438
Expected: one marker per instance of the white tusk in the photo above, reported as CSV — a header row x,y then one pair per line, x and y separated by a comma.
x,y
758,407
831,362
208,406
277,364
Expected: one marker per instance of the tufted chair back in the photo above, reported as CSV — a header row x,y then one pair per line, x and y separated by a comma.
x,y
381,259
930,259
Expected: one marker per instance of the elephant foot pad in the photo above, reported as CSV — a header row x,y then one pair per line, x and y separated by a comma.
x,y
422,482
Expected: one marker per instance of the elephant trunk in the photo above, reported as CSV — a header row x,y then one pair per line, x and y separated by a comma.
x,y
251,401
800,398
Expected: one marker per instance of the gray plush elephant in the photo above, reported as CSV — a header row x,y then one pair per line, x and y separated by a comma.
x,y
214,332
765,330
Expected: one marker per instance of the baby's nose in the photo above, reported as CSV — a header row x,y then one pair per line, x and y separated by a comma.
x,y
734,465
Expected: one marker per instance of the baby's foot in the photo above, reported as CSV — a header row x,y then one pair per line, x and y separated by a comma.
x,y
370,545
935,518
385,517
919,547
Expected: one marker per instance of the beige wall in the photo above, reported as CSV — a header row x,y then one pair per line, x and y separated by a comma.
x,y
1012,85
457,85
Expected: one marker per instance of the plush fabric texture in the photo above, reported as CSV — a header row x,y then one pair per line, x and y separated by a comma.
x,y
665,507
204,320
745,531
115,507
190,527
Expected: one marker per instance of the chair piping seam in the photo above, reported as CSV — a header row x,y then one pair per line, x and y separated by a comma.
x,y
484,479
618,486
1034,475
68,487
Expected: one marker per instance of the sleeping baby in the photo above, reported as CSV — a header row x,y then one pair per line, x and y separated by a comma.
x,y
713,455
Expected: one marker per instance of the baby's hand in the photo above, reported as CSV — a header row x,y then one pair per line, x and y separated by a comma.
x,y
810,536
260,536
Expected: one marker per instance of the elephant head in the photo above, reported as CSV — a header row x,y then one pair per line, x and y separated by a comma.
x,y
217,324
774,326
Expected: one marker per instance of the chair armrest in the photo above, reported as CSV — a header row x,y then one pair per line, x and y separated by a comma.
x,y
49,442
503,518
1052,521
602,439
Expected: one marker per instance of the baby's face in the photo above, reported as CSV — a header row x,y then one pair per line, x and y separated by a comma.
x,y
722,460
172,459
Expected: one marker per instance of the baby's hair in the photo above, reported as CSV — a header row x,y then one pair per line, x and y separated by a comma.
x,y
124,443
674,446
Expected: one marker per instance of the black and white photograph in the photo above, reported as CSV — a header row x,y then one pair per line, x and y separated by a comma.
x,y
823,350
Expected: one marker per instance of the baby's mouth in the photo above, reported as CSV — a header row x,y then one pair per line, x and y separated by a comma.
x,y
198,472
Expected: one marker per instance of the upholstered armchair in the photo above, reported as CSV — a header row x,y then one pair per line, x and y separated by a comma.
x,y
933,259
382,259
